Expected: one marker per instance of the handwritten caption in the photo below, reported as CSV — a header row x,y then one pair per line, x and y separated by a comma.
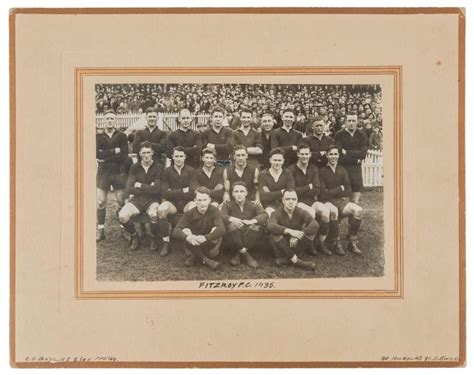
x,y
237,285
420,358
71,359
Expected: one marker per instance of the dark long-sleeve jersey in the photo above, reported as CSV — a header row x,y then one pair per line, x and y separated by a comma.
x,y
250,211
331,182
224,141
355,145
303,180
252,139
267,147
248,176
105,150
202,179
172,185
273,197
190,140
300,220
201,224
286,140
316,146
150,180
157,138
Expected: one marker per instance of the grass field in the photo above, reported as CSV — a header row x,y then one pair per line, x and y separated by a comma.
x,y
116,262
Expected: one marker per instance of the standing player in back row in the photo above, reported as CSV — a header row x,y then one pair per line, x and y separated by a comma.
x,y
318,142
286,137
187,138
152,134
353,147
111,154
250,138
218,139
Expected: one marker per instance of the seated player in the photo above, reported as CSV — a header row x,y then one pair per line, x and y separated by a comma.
x,y
144,184
210,176
292,232
244,221
111,154
307,187
272,182
201,229
187,138
335,192
240,170
176,191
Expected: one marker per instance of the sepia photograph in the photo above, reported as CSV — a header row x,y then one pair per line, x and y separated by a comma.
x,y
223,181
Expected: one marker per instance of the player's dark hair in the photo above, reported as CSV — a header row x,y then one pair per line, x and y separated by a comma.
x,y
151,110
303,145
202,190
239,147
217,109
239,183
275,151
332,147
351,113
207,151
109,111
179,148
145,144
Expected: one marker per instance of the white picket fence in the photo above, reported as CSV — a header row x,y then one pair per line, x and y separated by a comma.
x,y
372,166
372,169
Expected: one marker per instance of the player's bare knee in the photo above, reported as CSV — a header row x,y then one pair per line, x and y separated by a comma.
x,y
101,203
358,211
124,216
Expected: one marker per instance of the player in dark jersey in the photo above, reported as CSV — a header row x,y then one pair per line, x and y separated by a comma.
x,y
335,193
144,184
245,222
177,191
353,146
240,170
111,155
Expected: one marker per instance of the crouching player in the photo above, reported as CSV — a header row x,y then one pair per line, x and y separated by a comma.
x,y
144,184
244,221
335,192
201,229
292,231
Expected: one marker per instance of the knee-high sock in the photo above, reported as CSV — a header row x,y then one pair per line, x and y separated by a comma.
x,y
155,229
323,228
235,241
354,226
195,250
164,228
129,227
101,216
284,246
334,230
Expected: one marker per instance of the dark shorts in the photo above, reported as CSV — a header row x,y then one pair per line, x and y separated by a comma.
x,y
355,177
107,177
142,203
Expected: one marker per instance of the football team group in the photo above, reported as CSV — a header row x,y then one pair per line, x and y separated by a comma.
x,y
224,189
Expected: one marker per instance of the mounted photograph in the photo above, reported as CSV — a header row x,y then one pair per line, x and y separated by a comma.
x,y
206,181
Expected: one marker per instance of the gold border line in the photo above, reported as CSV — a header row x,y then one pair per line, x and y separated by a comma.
x,y
80,293
236,10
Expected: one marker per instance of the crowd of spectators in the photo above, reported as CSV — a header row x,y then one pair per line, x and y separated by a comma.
x,y
329,101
